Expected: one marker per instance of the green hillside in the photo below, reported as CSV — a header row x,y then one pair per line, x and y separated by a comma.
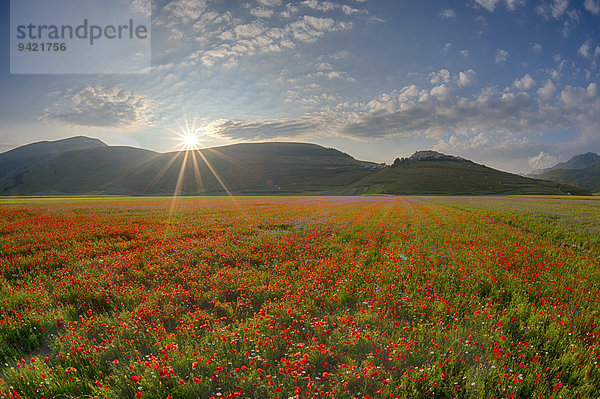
x,y
455,177
19,157
581,161
588,178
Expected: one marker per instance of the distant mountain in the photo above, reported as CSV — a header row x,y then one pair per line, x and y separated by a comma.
x,y
27,154
580,161
428,172
588,178
256,168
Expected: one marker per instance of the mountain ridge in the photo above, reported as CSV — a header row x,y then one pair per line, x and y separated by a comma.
x,y
582,170
254,168
580,161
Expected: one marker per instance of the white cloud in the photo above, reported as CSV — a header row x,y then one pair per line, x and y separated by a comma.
x,y
586,50
547,90
501,56
542,161
465,53
554,8
592,6
466,78
525,83
447,13
441,92
290,10
442,76
102,107
320,6
252,29
262,12
270,3
490,5
575,97
512,4
572,19
181,11
536,47
507,114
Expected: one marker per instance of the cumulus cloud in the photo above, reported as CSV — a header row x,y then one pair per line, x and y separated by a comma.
x,y
442,76
413,112
102,107
586,50
501,56
443,112
542,161
576,97
525,83
466,78
441,92
546,92
592,6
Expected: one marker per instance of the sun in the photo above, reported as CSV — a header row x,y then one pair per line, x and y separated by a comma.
x,y
190,140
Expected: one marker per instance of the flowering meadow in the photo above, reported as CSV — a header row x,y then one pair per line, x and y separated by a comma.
x,y
329,297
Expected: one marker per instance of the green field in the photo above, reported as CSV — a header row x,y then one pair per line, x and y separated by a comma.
x,y
302,297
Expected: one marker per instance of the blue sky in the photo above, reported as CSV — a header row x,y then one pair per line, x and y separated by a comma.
x,y
508,83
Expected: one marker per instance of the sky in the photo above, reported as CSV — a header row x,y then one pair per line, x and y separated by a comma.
x,y
512,84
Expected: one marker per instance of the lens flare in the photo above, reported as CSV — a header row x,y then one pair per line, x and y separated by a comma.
x,y
190,140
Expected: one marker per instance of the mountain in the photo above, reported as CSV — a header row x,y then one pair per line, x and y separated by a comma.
x,y
256,168
240,168
588,178
580,161
582,170
27,154
429,172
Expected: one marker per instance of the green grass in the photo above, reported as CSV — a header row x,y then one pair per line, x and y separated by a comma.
x,y
440,297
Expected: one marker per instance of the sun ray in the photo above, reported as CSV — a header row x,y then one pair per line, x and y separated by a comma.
x,y
197,174
189,137
164,169
215,174
176,192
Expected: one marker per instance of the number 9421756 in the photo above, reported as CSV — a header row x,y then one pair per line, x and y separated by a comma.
x,y
42,46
